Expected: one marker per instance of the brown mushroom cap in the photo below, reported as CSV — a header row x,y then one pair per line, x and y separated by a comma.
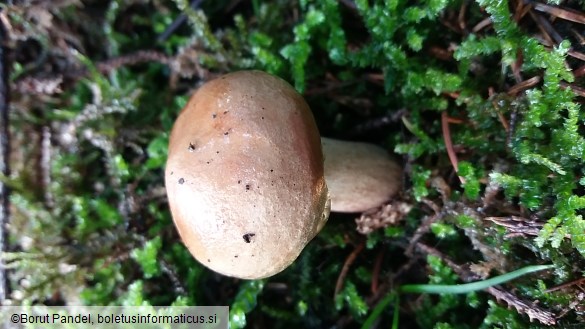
x,y
359,176
244,175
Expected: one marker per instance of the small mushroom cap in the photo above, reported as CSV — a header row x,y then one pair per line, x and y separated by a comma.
x,y
359,176
244,175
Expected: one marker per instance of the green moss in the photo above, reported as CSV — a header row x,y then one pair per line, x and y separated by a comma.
x,y
147,257
245,301
351,297
471,184
104,212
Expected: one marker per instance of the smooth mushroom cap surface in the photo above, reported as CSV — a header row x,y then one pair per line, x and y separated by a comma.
x,y
359,176
244,175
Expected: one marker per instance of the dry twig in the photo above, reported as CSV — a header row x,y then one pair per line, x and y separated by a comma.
x,y
48,85
566,14
517,226
524,307
449,144
579,91
522,86
350,259
424,227
376,272
4,160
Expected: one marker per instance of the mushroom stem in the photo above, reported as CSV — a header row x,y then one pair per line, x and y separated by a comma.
x,y
359,176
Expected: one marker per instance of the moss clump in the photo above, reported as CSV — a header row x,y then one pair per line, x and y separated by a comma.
x,y
480,108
